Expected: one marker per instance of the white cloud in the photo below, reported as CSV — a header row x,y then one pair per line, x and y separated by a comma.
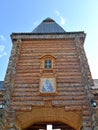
x,y
2,48
2,37
62,19
2,52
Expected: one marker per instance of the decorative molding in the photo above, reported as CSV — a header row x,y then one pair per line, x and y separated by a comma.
x,y
31,36
47,70
49,114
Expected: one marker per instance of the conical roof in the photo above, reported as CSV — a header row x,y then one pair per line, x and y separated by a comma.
x,y
48,26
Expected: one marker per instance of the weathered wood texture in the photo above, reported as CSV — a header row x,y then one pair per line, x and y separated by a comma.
x,y
26,71
68,75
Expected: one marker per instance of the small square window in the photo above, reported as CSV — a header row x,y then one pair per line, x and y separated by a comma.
x,y
48,64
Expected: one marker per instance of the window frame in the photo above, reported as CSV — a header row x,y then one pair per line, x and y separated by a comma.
x,y
47,57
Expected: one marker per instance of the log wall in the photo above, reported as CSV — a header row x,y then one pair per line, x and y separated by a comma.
x,y
24,73
68,75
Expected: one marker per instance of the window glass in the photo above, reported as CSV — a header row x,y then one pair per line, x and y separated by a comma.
x,y
48,64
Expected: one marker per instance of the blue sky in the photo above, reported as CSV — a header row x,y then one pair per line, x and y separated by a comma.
x,y
72,15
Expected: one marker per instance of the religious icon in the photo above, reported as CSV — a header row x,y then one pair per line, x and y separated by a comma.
x,y
47,85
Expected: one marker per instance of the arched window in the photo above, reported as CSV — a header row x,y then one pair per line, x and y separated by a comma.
x,y
47,62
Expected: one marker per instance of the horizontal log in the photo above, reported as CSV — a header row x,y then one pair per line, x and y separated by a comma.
x,y
68,90
43,46
87,124
86,112
63,62
60,93
29,86
36,81
54,44
79,80
70,102
29,77
53,49
23,77
27,62
38,42
22,70
44,98
64,70
22,108
24,93
66,84
34,62
70,93
49,51
73,108
28,73
27,81
25,89
39,55
29,103
86,118
29,69
69,77
45,41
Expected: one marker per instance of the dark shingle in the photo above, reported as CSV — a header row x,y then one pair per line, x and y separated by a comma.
x,y
48,26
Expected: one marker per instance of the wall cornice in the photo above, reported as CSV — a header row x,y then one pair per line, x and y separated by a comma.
x,y
30,36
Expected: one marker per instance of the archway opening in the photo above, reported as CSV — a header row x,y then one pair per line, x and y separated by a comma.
x,y
42,116
49,126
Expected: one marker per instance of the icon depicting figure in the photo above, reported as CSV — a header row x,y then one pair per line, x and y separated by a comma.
x,y
47,86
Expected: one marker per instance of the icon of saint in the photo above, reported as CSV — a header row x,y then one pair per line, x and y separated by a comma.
x,y
47,86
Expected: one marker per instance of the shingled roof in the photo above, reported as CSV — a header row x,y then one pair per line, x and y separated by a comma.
x,y
48,26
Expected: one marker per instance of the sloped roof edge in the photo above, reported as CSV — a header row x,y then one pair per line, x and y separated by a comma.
x,y
48,26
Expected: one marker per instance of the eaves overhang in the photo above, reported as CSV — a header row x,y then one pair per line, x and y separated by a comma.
x,y
31,36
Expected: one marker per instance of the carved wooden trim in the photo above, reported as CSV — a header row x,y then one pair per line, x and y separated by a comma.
x,y
47,70
51,57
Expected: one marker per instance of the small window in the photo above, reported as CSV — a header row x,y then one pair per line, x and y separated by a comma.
x,y
48,64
